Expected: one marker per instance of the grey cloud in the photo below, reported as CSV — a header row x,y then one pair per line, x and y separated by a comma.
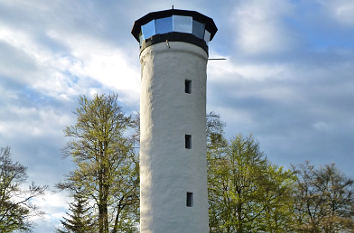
x,y
15,63
315,122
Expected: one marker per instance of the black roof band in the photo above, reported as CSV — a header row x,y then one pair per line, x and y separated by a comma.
x,y
175,36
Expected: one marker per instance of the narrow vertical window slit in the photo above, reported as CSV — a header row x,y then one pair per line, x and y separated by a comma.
x,y
189,201
188,141
188,86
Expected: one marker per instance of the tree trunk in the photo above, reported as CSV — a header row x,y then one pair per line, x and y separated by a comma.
x,y
115,228
100,204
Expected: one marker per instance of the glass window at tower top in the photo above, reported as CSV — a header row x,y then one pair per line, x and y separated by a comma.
x,y
163,25
175,23
198,29
182,23
148,29
207,36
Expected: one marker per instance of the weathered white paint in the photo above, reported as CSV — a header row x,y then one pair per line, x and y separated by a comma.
x,y
167,170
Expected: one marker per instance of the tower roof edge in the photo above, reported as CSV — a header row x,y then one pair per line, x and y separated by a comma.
x,y
209,22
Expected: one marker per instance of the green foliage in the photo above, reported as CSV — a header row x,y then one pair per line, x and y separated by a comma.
x,y
106,163
215,133
324,200
246,192
278,204
80,219
16,206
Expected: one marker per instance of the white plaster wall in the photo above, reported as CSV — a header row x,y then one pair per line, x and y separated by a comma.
x,y
167,170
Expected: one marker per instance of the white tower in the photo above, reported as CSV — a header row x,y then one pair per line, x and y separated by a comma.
x,y
173,171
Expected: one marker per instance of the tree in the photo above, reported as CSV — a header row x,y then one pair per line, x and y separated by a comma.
x,y
246,192
278,205
106,163
216,149
80,219
16,207
323,200
216,141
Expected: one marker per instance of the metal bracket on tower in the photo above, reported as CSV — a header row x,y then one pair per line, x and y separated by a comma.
x,y
217,59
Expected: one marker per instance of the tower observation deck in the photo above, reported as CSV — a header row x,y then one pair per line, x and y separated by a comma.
x,y
174,25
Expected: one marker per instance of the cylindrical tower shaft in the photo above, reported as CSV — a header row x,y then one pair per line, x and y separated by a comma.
x,y
173,139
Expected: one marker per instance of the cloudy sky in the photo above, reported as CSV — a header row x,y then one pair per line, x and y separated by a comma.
x,y
288,78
